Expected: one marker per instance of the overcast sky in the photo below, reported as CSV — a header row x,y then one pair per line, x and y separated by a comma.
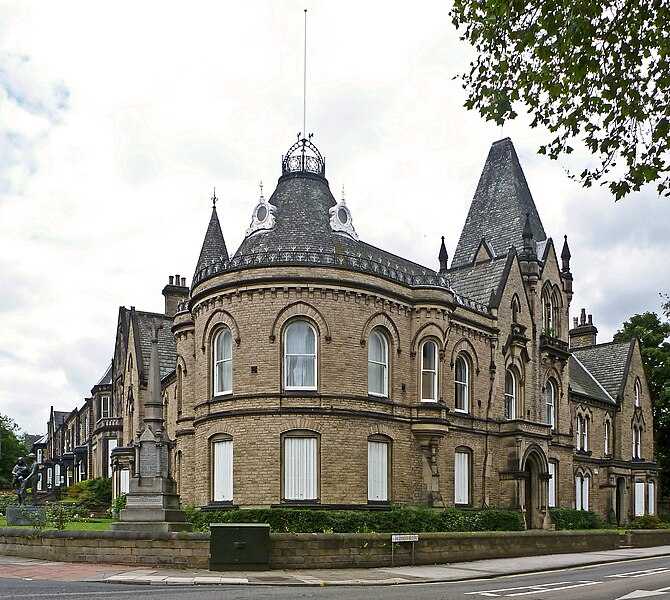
x,y
118,119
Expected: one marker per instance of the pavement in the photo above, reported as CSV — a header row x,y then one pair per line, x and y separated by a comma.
x,y
33,569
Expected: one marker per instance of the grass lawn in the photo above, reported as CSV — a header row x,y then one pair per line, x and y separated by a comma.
x,y
93,525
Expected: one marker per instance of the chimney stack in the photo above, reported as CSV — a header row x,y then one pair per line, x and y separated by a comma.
x,y
584,331
175,292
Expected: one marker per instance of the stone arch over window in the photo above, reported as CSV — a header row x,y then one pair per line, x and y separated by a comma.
x,y
428,330
462,382
583,479
301,309
381,319
465,345
217,319
381,430
301,423
378,362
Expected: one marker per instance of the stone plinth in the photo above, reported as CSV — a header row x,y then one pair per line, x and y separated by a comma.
x,y
26,516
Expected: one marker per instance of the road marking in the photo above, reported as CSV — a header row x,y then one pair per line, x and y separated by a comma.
x,y
643,573
645,593
533,589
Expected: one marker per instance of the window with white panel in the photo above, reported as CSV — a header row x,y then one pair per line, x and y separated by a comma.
x,y
378,459
462,477
300,468
222,472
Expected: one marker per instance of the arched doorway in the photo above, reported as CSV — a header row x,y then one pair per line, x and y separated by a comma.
x,y
536,480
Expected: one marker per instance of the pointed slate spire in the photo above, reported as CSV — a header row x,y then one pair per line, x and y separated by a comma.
x,y
500,208
443,257
213,246
565,256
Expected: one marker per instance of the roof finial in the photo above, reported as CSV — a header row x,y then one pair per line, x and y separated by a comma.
x,y
304,88
343,201
214,198
443,257
261,186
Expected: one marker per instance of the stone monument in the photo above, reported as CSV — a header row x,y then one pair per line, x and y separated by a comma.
x,y
152,502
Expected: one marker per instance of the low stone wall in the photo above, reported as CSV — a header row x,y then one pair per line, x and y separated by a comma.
x,y
181,550
310,551
645,538
306,551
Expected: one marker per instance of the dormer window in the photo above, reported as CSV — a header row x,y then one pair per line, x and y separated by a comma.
x,y
340,219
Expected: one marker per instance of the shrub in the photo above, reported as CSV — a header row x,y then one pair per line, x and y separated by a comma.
x,y
91,492
118,504
648,522
396,520
59,515
567,518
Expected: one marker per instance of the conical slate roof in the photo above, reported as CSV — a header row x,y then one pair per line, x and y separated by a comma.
x,y
499,207
213,246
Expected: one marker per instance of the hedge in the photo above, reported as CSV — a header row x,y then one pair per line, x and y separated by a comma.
x,y
567,518
396,520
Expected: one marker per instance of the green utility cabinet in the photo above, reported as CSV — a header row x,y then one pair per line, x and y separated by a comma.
x,y
235,546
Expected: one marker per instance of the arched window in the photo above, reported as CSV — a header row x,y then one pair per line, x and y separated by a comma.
x,y
300,356
638,392
607,437
429,371
547,314
637,442
377,364
550,401
461,384
510,395
553,483
223,362
582,437
582,492
516,309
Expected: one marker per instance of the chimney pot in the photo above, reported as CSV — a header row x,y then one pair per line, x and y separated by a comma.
x,y
575,322
171,279
183,281
582,317
590,320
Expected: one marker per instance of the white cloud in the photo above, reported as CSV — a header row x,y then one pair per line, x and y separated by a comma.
x,y
119,119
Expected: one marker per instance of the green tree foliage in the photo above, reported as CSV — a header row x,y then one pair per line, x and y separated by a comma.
x,y
653,334
11,447
591,70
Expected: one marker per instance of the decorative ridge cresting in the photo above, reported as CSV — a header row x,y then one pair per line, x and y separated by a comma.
x,y
303,157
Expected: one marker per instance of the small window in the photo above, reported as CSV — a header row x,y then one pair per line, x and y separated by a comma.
x,y
222,471
462,477
553,483
510,395
104,407
607,437
223,363
377,364
639,498
124,483
461,384
547,314
300,468
378,459
651,497
550,401
429,371
300,356
111,444
638,392
637,442
582,433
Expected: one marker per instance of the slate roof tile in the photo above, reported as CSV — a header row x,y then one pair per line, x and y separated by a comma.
x,y
499,207
582,382
213,246
477,281
167,348
607,363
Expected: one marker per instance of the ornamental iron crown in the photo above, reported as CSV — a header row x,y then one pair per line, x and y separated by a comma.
x,y
303,157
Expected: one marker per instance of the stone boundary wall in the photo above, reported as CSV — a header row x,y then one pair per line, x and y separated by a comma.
x,y
310,551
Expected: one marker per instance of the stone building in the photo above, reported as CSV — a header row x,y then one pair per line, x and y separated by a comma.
x,y
310,368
